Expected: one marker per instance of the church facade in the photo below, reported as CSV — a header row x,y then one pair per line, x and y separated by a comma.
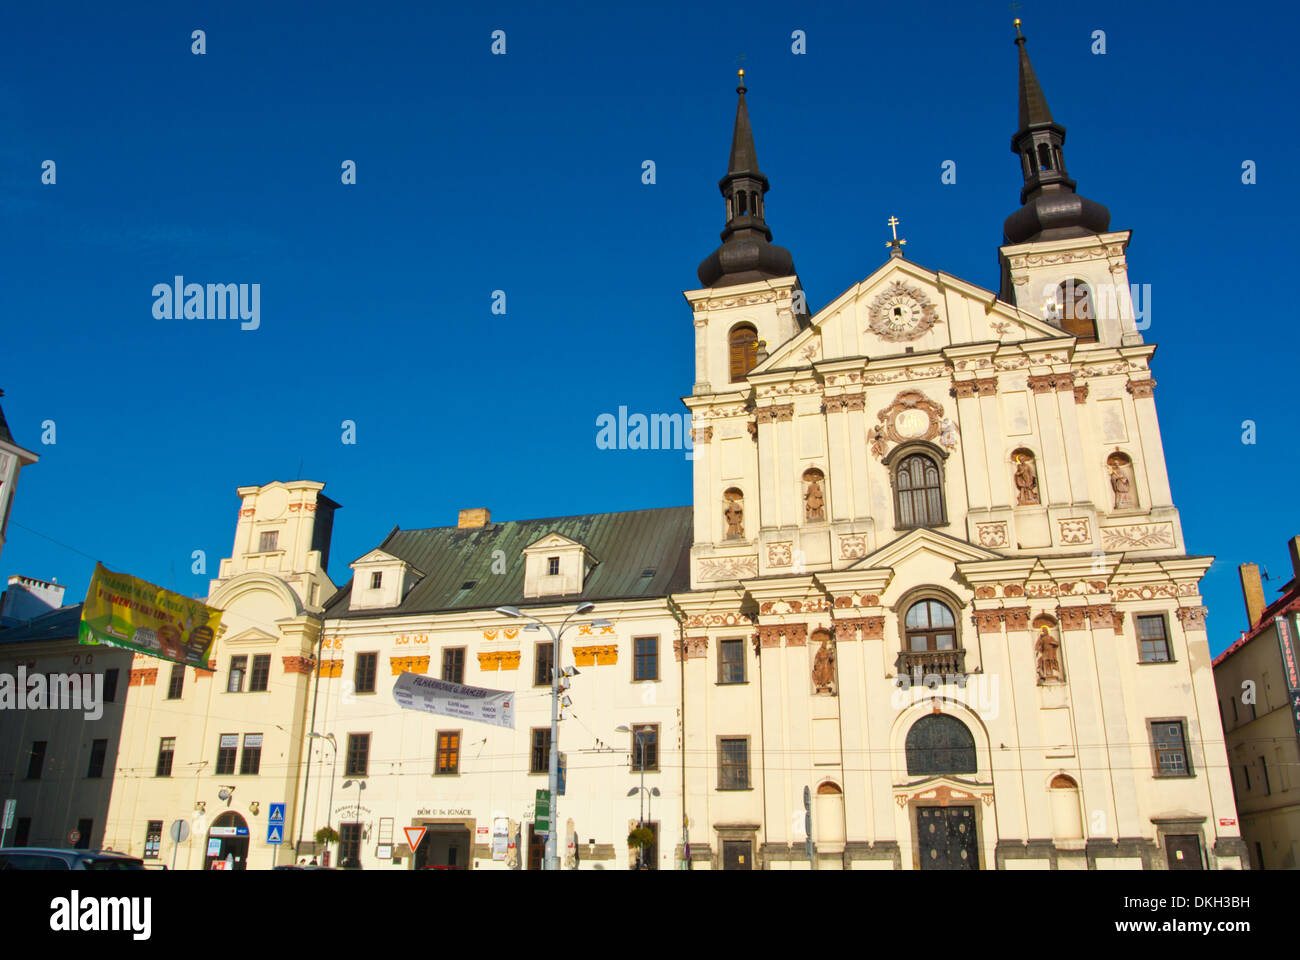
x,y
938,580
930,608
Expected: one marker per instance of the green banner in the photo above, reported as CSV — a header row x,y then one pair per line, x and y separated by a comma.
x,y
124,611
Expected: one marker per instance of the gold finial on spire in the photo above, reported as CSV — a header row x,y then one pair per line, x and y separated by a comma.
x,y
740,74
895,245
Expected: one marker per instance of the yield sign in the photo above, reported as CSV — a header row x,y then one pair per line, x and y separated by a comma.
x,y
413,836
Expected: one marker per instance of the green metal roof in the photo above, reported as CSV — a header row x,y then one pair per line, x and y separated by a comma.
x,y
641,554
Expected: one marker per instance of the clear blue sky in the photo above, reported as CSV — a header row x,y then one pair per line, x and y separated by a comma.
x,y
523,173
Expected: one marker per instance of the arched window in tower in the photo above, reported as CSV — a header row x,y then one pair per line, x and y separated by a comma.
x,y
814,496
742,197
939,745
918,492
733,513
1119,467
1029,164
1045,156
929,625
1074,306
1025,475
743,340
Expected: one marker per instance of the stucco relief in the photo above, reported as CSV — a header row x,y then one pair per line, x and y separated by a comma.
x,y
697,648
718,620
780,554
901,312
1138,536
853,546
1075,530
991,535
727,568
912,416
1192,618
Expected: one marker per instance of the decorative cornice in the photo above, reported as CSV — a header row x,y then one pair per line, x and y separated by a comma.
x,y
1141,389
1192,618
400,665
979,387
1081,393
302,665
775,413
147,676
697,648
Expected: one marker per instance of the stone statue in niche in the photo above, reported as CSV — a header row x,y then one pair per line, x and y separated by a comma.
x,y
1026,480
734,514
814,500
1048,649
1121,481
823,673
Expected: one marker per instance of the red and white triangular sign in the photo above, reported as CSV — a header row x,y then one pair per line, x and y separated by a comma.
x,y
414,835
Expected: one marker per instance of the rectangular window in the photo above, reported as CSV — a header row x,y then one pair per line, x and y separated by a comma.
x,y
448,752
36,759
98,750
1152,639
235,684
1263,769
376,580
645,656
545,664
1245,773
226,751
358,762
110,685
645,746
251,760
1170,748
349,844
733,763
260,676
1234,708
22,831
540,755
453,664
176,686
731,661
364,676
166,750
553,566
268,541
152,839
85,827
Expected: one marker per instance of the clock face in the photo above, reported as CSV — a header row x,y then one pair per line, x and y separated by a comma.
x,y
901,313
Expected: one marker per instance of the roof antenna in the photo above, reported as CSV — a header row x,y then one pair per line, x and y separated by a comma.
x,y
299,476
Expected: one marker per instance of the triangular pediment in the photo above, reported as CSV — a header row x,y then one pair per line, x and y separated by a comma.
x,y
552,541
376,556
924,540
251,635
904,308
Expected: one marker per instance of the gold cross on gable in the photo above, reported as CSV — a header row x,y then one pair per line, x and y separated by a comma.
x,y
896,244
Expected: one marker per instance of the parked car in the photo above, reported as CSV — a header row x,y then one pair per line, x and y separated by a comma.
x,y
52,858
301,866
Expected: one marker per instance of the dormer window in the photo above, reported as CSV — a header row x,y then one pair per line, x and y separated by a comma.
x,y
552,566
382,580
268,540
556,566
376,580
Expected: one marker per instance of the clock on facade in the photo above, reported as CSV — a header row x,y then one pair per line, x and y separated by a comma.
x,y
900,313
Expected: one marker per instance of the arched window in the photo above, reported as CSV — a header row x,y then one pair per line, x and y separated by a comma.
x,y
918,492
1076,311
1044,156
814,495
743,198
939,744
744,350
1067,819
929,625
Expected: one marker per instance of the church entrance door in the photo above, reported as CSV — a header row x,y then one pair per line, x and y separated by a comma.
x,y
946,836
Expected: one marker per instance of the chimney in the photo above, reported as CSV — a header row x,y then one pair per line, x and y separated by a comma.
x,y
1252,589
1295,557
474,517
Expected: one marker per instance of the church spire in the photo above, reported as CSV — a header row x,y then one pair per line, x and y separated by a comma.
x,y
747,253
1051,209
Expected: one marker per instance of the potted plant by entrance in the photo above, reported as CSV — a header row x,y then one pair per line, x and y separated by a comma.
x,y
640,839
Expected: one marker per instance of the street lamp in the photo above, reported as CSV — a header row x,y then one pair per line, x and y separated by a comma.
x,y
361,785
334,758
552,860
640,737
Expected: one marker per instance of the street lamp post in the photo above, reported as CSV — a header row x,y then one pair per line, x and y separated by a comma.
x,y
552,859
334,758
639,736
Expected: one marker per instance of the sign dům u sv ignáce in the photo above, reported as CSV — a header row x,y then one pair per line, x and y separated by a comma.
x,y
125,611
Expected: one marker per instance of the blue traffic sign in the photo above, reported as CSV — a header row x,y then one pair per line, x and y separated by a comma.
x,y
275,833
277,813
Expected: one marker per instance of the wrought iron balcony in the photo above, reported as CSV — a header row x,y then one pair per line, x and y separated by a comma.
x,y
920,664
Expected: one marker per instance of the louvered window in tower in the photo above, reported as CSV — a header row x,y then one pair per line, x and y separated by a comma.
x,y
744,350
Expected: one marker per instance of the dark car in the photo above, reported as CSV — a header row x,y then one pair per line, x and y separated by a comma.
x,y
52,858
